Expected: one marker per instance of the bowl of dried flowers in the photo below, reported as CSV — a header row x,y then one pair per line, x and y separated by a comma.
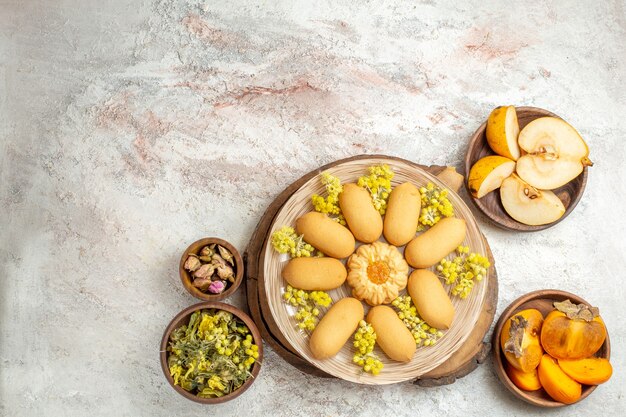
x,y
211,269
211,352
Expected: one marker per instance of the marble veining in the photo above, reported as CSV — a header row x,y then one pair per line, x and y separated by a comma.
x,y
130,129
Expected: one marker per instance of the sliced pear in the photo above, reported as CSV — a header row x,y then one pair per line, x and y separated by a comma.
x,y
502,131
488,173
528,205
556,154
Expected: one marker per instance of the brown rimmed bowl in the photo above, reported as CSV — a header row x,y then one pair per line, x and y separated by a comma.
x,y
186,278
491,204
182,318
541,300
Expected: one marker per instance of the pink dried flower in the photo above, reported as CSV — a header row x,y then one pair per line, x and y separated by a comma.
x,y
205,271
217,287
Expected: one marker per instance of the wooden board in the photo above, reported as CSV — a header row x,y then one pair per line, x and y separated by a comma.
x,y
464,361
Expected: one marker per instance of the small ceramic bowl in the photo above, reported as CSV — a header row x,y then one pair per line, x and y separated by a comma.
x,y
187,280
183,318
542,300
491,204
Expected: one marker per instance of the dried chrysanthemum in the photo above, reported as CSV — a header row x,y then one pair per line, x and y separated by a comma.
x,y
212,355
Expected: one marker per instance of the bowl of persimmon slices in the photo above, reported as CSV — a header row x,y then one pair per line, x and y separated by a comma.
x,y
551,348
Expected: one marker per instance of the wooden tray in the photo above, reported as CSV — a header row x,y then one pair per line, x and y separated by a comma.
x,y
460,364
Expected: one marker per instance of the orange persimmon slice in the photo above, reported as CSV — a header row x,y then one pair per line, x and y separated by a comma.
x,y
590,371
557,383
527,381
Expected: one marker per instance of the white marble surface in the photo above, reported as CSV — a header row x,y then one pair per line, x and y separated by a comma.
x,y
131,128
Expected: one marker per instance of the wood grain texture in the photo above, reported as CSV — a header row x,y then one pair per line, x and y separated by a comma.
x,y
183,318
541,300
491,204
195,248
458,365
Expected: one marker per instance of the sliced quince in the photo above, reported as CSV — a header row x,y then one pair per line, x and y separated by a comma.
x,y
528,381
488,173
528,205
502,131
555,153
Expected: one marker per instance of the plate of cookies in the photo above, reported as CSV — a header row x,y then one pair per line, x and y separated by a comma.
x,y
374,271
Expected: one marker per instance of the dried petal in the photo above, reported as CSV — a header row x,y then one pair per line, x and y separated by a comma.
x,y
207,251
577,311
217,260
205,271
226,255
192,263
225,271
516,336
202,284
217,287
205,258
